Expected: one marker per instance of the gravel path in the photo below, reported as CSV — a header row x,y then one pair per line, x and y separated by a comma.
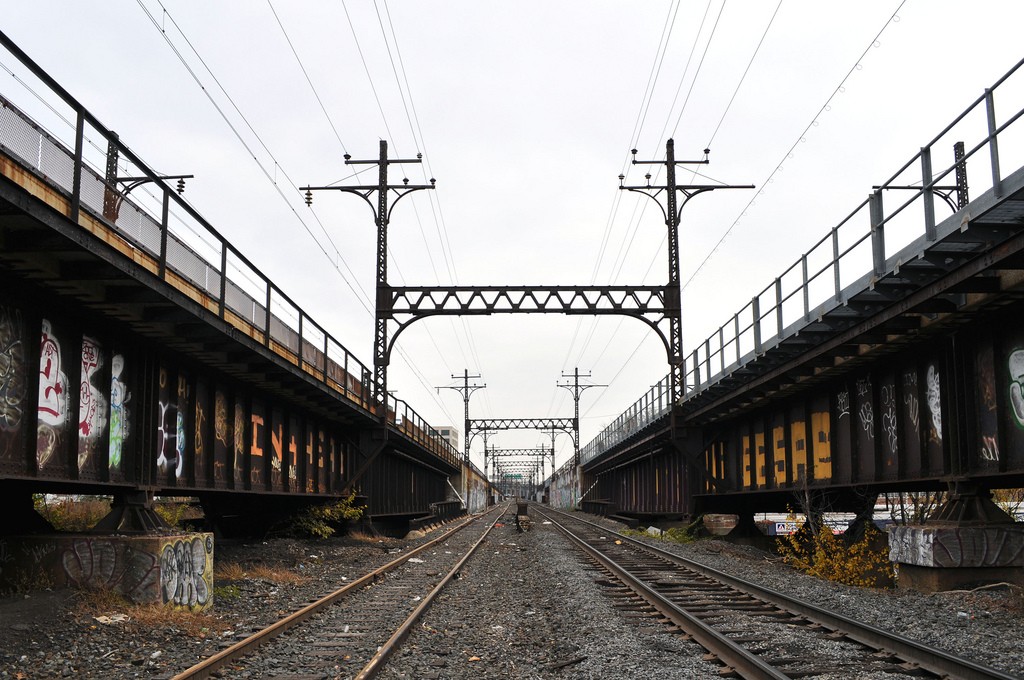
x,y
525,607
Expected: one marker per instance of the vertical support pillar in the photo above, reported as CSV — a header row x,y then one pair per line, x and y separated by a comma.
x,y
806,288
962,197
76,177
993,144
380,359
222,302
928,194
835,265
164,228
877,232
110,198
755,305
778,307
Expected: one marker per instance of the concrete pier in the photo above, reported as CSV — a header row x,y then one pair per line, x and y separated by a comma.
x,y
175,570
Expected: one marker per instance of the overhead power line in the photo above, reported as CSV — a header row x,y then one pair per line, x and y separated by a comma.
x,y
793,146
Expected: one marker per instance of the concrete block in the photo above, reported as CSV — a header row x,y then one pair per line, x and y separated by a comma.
x,y
173,570
958,546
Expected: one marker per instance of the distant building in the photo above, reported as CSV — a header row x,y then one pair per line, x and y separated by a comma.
x,y
449,433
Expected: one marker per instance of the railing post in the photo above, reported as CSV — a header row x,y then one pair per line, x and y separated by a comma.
x,y
302,352
736,334
721,348
164,227
877,232
835,264
756,308
696,370
222,304
806,289
707,355
778,306
327,361
993,144
928,194
266,316
76,176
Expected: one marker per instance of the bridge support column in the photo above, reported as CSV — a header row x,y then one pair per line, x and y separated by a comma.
x,y
970,542
131,513
174,570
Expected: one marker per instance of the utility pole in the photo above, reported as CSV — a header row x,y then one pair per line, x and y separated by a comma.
x,y
577,389
671,210
467,391
381,216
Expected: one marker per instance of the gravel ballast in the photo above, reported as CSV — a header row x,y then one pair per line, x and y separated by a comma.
x,y
526,606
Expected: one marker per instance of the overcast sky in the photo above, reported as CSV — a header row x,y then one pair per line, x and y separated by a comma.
x,y
525,113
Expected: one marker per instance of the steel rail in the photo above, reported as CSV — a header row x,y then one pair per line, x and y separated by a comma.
x,y
205,668
394,642
935,661
732,654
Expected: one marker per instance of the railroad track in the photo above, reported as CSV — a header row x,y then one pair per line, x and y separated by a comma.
x,y
751,631
352,631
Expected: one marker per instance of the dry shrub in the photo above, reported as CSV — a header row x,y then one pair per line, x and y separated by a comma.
x,y
864,563
360,536
233,571
93,603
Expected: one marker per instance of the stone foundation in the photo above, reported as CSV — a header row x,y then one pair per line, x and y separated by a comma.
x,y
173,570
944,557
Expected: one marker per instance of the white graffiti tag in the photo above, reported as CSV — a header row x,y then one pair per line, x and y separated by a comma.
x,y
183,578
1015,367
843,404
933,395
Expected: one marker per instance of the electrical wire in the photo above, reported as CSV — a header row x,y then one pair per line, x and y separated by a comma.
x,y
305,73
793,146
361,296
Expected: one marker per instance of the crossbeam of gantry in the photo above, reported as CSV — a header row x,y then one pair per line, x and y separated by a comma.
x,y
461,300
492,424
508,453
406,304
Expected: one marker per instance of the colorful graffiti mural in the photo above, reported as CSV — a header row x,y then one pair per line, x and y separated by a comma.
x,y
120,416
92,404
53,397
186,572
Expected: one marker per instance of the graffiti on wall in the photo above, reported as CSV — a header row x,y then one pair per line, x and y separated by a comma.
x,y
110,565
933,397
910,400
199,437
221,436
12,370
92,404
239,439
1015,369
842,404
170,433
186,572
119,413
890,425
53,396
13,385
256,451
866,411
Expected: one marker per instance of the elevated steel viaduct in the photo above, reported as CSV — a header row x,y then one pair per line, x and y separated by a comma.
x,y
888,357
137,359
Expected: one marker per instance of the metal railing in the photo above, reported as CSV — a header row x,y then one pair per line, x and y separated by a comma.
x,y
186,252
649,408
865,246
